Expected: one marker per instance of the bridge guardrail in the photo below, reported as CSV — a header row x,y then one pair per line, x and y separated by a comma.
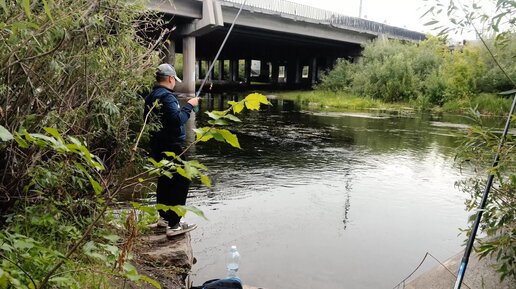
x,y
328,17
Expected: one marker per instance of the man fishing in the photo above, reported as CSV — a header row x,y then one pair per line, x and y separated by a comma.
x,y
170,138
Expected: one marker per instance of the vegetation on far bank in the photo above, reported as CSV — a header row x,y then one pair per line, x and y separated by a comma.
x,y
427,75
324,100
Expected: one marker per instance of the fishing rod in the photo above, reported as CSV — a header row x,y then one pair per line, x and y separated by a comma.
x,y
482,205
220,50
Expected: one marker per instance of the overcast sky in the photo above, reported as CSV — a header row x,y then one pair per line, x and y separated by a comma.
x,y
400,13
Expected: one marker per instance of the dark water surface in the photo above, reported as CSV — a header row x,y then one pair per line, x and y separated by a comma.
x,y
328,200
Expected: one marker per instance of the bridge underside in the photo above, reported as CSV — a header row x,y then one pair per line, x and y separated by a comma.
x,y
249,43
290,48
283,56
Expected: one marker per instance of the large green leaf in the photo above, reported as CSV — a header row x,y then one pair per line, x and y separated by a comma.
x,y
5,135
237,106
213,115
203,134
21,142
96,186
229,137
53,132
217,136
232,118
253,101
184,173
205,180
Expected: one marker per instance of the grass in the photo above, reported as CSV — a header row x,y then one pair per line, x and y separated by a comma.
x,y
320,100
486,103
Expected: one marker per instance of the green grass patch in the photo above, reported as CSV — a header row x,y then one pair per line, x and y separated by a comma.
x,y
485,103
321,100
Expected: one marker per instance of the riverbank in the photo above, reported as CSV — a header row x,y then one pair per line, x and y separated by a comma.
x,y
320,100
479,274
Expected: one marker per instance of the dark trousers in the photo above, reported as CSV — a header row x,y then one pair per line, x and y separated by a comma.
x,y
170,191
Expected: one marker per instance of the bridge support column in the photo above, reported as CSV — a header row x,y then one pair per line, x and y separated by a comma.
x,y
248,71
199,70
212,73
299,71
291,71
275,72
233,67
314,71
264,71
188,85
221,69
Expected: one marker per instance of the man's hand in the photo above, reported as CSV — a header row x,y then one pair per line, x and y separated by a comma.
x,y
194,101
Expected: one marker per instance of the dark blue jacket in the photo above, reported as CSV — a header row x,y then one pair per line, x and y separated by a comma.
x,y
171,115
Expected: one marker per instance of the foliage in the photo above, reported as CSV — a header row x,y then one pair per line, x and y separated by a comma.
x,y
321,100
499,218
70,218
494,79
69,115
494,18
75,65
428,73
339,78
497,34
460,72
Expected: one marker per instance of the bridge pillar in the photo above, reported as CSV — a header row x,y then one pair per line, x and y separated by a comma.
x,y
233,68
188,85
274,72
313,74
291,71
299,71
264,71
248,71
212,73
221,69
198,72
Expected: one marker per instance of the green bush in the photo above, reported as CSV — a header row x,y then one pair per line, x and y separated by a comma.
x,y
76,65
385,72
339,78
429,71
460,72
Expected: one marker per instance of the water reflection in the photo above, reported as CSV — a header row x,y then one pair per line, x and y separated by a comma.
x,y
324,200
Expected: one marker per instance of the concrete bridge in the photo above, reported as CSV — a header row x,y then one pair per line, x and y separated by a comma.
x,y
292,42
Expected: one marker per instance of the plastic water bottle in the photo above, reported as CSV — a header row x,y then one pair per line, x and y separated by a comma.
x,y
232,262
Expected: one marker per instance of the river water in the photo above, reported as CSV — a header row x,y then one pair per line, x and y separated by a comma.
x,y
328,200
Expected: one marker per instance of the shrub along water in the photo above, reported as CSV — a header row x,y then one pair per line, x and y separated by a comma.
x,y
71,126
429,73
74,65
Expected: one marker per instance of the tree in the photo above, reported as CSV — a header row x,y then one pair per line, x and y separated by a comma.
x,y
480,145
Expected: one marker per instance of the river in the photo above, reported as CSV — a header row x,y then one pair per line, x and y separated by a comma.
x,y
328,200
